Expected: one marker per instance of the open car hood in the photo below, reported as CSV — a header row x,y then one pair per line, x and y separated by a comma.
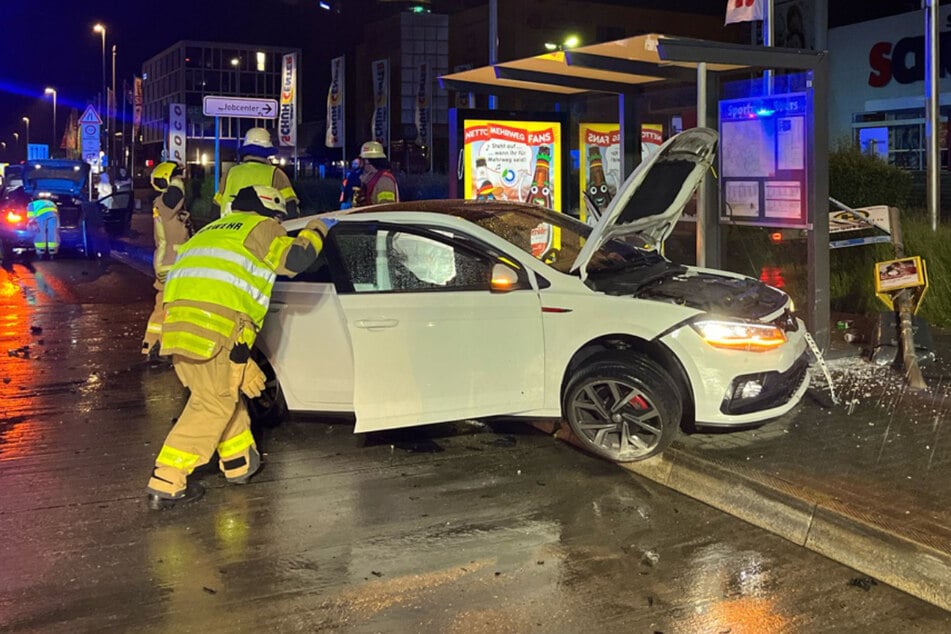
x,y
55,177
652,199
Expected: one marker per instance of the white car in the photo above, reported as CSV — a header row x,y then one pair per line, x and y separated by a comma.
x,y
436,311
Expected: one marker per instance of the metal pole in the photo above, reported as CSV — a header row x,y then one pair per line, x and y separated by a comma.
x,y
932,112
217,157
53,144
493,41
112,114
702,201
768,22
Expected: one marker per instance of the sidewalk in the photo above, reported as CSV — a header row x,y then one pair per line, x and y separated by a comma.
x,y
866,483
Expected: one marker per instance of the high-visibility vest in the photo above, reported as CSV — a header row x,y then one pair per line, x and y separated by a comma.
x,y
245,175
37,208
215,268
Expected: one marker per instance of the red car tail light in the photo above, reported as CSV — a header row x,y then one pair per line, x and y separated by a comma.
x,y
13,216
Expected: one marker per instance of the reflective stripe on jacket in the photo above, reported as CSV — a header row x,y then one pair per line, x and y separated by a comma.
x,y
214,268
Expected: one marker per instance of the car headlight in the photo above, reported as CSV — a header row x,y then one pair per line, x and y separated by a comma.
x,y
739,335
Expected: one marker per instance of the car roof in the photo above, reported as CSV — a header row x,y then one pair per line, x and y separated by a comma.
x,y
465,209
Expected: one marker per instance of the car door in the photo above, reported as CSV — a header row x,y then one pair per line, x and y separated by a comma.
x,y
431,341
306,341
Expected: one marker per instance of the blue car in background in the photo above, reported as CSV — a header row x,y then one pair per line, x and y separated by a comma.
x,y
65,183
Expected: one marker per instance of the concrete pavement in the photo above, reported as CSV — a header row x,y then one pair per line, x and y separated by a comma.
x,y
865,483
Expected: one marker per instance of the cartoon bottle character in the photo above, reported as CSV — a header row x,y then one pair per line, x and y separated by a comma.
x,y
598,190
540,191
486,190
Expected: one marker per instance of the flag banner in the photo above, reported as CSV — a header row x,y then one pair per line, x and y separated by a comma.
x,y
70,141
136,107
335,104
176,133
287,119
744,11
424,98
380,124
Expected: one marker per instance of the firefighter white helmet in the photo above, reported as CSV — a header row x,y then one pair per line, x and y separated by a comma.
x,y
372,150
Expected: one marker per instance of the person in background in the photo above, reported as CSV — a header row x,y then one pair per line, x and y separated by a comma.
x,y
255,169
377,183
104,191
351,182
123,181
172,227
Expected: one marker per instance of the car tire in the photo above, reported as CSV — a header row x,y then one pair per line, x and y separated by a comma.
x,y
623,407
6,251
270,408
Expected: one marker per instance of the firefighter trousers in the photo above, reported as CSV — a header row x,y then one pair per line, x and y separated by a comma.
x,y
215,418
46,237
153,330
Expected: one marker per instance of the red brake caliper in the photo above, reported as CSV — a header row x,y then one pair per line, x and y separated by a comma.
x,y
639,402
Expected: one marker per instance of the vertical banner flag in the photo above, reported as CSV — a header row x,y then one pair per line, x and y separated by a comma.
x,y
287,121
744,10
600,173
424,97
176,133
335,104
70,141
380,125
136,107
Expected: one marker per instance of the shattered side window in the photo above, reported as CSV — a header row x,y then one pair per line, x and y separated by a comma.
x,y
390,259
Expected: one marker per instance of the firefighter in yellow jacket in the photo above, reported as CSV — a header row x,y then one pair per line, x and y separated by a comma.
x,y
255,169
172,227
216,297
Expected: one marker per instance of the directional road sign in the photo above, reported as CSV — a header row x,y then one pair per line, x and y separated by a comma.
x,y
242,107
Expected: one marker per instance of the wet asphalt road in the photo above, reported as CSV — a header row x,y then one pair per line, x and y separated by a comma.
x,y
452,528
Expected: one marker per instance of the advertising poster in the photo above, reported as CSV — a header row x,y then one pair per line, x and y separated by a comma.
x,y
287,118
176,133
516,160
652,137
600,173
380,124
335,104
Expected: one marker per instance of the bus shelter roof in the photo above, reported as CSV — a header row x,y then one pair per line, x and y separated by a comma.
x,y
624,66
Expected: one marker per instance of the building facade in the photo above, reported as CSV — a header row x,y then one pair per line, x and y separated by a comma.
x,y
877,87
186,72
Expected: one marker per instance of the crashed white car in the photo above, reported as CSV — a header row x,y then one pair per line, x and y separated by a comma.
x,y
435,311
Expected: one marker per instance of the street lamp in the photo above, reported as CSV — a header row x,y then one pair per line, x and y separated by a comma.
x,y
52,91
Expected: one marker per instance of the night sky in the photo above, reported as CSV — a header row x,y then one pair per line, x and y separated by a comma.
x,y
51,43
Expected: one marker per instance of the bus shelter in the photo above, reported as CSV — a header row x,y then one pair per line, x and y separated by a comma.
x,y
634,68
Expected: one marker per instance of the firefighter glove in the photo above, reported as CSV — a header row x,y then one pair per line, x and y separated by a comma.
x,y
254,380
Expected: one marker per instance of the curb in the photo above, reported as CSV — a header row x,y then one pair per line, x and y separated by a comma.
x,y
820,525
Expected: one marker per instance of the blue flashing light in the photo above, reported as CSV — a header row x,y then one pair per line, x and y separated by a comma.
x,y
325,6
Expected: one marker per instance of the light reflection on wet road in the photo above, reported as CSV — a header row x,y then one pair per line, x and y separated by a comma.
x,y
499,531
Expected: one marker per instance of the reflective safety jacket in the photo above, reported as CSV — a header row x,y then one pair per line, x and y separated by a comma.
x,y
37,208
247,173
218,290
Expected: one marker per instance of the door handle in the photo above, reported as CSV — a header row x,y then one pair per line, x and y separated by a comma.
x,y
376,324
276,307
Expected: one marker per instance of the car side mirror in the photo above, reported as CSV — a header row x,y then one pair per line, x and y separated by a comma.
x,y
504,278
